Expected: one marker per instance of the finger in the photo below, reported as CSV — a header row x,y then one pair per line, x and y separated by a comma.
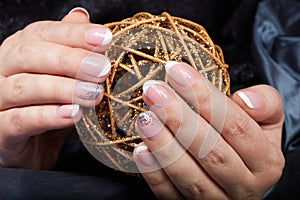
x,y
180,167
203,142
87,36
156,178
262,102
31,89
22,123
239,130
77,15
49,58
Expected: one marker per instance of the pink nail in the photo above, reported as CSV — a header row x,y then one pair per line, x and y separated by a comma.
x,y
149,125
251,99
144,155
181,74
97,66
98,36
80,9
68,111
157,93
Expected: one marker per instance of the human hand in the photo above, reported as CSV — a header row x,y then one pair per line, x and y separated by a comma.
x,y
223,148
46,71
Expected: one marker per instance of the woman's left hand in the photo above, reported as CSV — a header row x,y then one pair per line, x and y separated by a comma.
x,y
213,146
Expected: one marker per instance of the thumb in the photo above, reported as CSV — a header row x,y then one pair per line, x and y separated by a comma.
x,y
77,15
262,102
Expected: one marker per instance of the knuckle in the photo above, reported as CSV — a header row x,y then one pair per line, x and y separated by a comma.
x,y
64,58
154,179
215,158
239,126
195,190
276,168
22,53
204,98
9,41
57,93
41,117
16,86
38,29
16,120
68,36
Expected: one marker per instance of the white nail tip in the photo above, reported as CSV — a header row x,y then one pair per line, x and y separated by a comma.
x,y
106,69
80,9
245,98
147,84
170,64
75,110
107,38
140,149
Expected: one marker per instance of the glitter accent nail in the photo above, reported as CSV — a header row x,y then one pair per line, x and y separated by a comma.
x,y
150,126
145,119
87,90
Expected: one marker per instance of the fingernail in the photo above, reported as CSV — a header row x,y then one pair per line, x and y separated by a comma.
x,y
68,111
180,73
144,156
80,9
96,66
98,36
156,93
149,125
88,91
251,99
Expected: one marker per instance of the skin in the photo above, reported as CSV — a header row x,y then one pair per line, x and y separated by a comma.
x,y
35,63
31,94
245,157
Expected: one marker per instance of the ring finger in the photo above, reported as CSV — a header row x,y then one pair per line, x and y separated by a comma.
x,y
32,89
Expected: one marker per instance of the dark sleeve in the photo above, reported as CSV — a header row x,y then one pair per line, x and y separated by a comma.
x,y
77,176
19,184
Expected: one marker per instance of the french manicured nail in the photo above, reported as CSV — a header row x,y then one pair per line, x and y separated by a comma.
x,y
150,126
98,36
96,66
144,155
87,90
251,99
180,73
68,111
156,93
80,9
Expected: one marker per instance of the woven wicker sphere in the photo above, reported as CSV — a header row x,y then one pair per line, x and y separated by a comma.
x,y
141,46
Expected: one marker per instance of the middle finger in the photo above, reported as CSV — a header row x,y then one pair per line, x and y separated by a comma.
x,y
50,58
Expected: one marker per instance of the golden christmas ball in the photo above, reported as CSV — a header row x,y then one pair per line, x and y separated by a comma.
x,y
141,46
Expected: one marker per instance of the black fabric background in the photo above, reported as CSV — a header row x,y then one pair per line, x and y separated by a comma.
x,y
230,24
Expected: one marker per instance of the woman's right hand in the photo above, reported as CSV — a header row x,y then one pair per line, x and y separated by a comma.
x,y
47,70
